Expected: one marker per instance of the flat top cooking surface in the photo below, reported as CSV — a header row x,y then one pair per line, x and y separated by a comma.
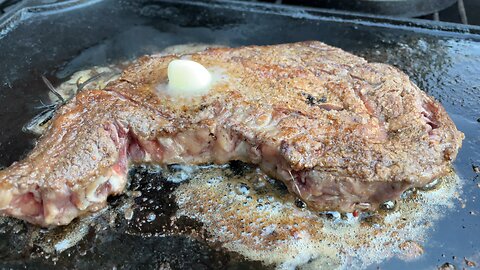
x,y
56,41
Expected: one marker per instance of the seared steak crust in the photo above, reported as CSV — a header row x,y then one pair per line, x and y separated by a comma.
x,y
341,133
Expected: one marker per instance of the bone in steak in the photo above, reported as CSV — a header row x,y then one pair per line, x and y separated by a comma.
x,y
341,133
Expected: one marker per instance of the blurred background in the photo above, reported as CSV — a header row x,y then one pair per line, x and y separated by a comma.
x,y
461,11
456,11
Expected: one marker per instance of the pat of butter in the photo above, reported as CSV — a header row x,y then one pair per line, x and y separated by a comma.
x,y
186,77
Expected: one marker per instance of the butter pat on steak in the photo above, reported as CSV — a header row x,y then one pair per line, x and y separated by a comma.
x,y
341,133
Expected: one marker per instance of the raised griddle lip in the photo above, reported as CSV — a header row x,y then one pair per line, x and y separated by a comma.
x,y
27,8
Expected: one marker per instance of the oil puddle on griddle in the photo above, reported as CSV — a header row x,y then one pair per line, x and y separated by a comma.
x,y
224,217
138,230
252,215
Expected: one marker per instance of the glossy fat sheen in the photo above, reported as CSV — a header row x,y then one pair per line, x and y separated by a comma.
x,y
341,133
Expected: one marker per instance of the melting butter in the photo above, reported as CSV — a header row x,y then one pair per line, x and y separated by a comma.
x,y
187,77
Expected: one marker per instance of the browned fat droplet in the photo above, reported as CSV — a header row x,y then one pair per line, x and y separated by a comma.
x,y
410,250
469,263
263,119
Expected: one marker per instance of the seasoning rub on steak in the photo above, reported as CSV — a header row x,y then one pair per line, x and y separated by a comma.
x,y
341,133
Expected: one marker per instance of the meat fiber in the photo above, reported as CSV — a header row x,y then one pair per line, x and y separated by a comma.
x,y
341,133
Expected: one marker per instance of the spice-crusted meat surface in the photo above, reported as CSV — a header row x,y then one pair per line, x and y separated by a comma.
x,y
341,133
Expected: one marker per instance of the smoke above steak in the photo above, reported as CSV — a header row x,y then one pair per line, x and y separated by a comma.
x,y
341,133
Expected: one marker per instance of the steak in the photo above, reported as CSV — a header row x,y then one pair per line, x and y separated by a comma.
x,y
341,133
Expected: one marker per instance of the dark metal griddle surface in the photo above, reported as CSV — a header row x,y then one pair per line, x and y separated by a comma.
x,y
56,40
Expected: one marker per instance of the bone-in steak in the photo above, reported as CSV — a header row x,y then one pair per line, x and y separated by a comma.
x,y
341,133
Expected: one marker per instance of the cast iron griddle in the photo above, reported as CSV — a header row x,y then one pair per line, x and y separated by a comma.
x,y
57,39
402,8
